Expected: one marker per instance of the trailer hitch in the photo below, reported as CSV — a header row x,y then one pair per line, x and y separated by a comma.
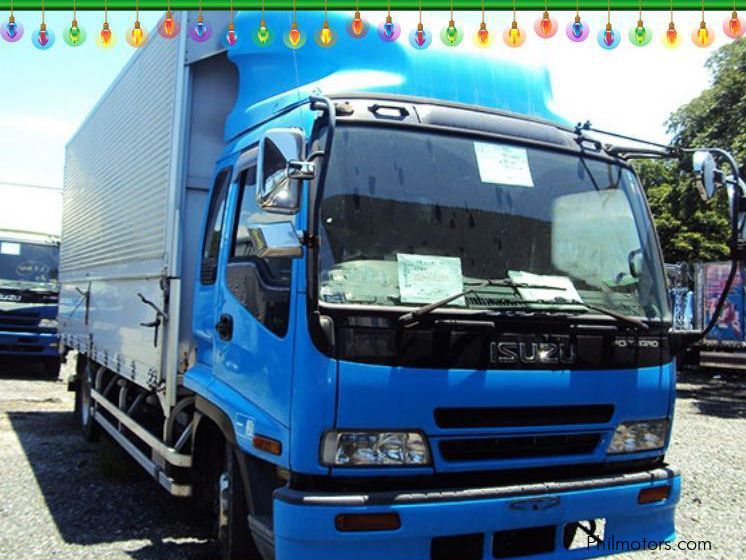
x,y
160,317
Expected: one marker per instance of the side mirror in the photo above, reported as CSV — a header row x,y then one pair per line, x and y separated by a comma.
x,y
280,170
276,240
704,168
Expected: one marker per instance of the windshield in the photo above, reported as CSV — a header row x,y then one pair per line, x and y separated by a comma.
x,y
408,218
27,265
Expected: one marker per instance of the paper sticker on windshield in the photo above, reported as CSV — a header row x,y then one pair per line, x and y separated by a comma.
x,y
429,278
7,248
503,165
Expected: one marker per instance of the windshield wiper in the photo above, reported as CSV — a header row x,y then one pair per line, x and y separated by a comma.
x,y
411,317
632,321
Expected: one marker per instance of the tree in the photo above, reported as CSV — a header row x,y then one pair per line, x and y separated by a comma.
x,y
689,229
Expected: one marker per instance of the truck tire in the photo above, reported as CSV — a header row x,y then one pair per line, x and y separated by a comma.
x,y
52,368
236,542
83,404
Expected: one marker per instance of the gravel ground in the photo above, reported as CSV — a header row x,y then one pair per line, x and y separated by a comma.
x,y
63,498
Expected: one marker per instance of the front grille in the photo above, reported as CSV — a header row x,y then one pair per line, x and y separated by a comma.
x,y
14,322
504,417
522,447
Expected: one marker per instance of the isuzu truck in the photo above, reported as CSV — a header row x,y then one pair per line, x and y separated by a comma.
x,y
369,302
29,292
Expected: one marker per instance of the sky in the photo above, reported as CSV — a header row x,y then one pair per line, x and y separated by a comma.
x,y
631,90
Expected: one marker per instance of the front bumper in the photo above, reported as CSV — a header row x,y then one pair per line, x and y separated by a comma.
x,y
29,344
304,522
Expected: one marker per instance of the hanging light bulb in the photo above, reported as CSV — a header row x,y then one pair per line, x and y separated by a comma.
x,y
514,35
11,31
703,36
231,37
608,38
577,31
43,38
357,28
262,33
639,35
326,36
482,38
546,26
451,35
74,35
136,36
201,30
294,35
357,25
420,38
671,37
169,27
734,27
389,31
105,38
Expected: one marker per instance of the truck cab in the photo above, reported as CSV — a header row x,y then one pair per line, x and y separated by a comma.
x,y
29,292
532,407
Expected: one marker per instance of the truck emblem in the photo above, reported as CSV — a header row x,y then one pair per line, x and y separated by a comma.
x,y
535,504
10,297
531,353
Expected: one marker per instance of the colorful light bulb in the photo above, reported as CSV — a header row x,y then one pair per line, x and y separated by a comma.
x,y
294,35
420,37
325,35
514,35
357,25
639,35
451,35
11,31
262,34
105,37
546,26
608,38
231,37
389,31
201,31
43,38
168,27
734,27
74,35
703,36
577,31
483,36
671,36
136,36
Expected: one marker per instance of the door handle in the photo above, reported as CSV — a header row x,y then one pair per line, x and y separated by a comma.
x,y
224,326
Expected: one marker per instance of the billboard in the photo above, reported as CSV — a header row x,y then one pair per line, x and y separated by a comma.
x,y
730,325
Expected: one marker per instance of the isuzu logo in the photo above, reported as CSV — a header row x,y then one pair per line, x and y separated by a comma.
x,y
532,353
10,297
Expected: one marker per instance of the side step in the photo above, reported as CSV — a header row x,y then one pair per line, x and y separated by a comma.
x,y
262,530
160,450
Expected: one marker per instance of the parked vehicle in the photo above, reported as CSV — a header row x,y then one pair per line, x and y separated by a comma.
x,y
375,315
29,291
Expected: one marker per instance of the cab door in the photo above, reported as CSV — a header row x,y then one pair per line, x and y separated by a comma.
x,y
205,293
253,342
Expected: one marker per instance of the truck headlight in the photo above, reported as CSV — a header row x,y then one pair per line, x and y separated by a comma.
x,y
631,437
48,323
366,448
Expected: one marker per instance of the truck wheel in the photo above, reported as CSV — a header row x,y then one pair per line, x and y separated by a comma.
x,y
52,368
83,405
236,542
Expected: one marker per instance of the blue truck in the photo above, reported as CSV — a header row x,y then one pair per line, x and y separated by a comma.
x,y
29,292
371,303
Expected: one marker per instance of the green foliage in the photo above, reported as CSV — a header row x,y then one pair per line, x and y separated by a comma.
x,y
689,229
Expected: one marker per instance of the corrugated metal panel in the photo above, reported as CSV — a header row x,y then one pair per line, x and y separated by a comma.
x,y
117,170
